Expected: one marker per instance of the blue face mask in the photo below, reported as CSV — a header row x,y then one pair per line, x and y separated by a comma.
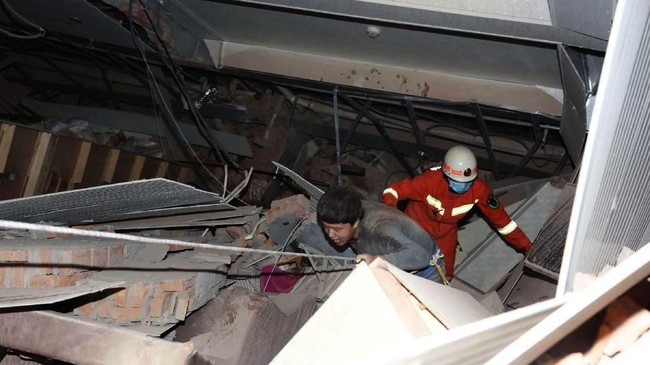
x,y
459,187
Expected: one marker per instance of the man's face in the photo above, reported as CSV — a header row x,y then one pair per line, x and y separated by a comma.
x,y
340,233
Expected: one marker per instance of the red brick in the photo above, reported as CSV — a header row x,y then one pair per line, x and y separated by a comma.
x,y
119,298
99,257
72,279
41,281
175,285
63,262
236,232
182,303
125,315
13,255
43,257
82,256
17,277
136,294
168,307
5,274
159,303
56,281
86,310
30,272
101,308
116,255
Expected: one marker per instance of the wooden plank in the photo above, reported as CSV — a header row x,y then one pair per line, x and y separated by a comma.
x,y
109,167
457,308
183,174
37,164
80,165
136,169
22,148
6,137
162,169
123,167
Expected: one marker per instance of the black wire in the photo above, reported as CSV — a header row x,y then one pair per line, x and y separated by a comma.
x,y
200,122
18,19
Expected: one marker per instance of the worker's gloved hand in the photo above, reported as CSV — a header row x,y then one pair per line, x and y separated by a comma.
x,y
389,200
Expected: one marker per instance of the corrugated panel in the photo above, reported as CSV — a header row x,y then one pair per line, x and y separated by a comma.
x,y
314,192
101,203
546,255
612,206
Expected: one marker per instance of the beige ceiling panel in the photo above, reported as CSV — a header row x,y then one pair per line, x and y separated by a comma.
x,y
390,78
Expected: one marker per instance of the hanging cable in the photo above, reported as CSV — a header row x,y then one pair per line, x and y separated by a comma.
x,y
20,20
200,122
154,90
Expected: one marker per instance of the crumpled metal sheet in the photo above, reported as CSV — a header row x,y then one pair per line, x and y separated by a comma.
x,y
20,297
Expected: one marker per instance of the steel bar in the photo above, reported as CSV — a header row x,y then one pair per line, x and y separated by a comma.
x,y
357,120
486,139
530,151
419,136
382,132
339,178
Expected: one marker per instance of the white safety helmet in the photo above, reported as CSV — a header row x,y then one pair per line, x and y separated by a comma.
x,y
460,164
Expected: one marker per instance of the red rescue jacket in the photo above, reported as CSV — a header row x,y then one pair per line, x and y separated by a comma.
x,y
438,210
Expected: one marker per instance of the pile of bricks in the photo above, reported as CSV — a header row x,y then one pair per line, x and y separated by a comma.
x,y
156,294
296,204
56,262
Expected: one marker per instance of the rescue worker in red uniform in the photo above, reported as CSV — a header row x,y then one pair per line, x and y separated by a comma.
x,y
441,196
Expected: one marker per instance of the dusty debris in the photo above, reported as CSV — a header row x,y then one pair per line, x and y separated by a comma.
x,y
613,335
245,327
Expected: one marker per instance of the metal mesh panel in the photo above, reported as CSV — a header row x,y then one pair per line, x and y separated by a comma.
x,y
314,192
612,207
103,202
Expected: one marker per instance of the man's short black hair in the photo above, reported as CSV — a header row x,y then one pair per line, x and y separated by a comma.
x,y
339,205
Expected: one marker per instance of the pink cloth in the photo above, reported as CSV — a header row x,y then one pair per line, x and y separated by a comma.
x,y
277,281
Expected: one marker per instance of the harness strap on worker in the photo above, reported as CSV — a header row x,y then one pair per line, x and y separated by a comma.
x,y
435,259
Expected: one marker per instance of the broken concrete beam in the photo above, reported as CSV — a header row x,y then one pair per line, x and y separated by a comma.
x,y
72,340
55,262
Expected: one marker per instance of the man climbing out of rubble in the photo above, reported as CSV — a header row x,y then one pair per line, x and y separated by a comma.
x,y
441,196
371,229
